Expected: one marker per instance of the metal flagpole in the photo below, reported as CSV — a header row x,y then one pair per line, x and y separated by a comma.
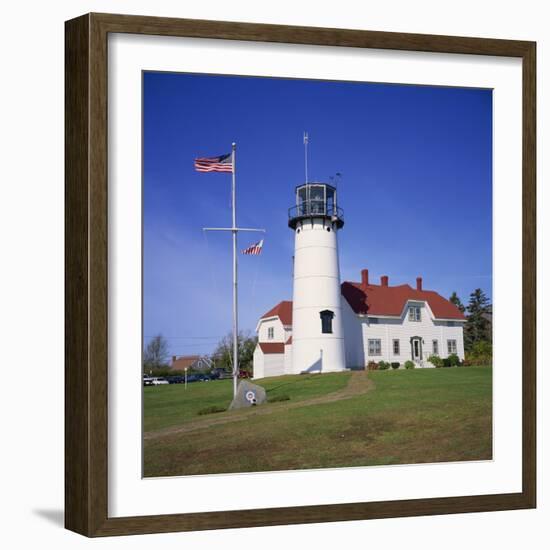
x,y
235,314
234,230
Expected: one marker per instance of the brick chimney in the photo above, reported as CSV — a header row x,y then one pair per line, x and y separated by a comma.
x,y
419,283
384,280
365,278
174,357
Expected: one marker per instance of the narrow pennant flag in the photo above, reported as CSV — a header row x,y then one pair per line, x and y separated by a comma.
x,y
254,249
223,163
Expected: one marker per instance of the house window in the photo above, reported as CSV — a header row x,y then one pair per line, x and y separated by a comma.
x,y
396,347
326,321
435,347
451,346
270,333
373,320
375,347
414,313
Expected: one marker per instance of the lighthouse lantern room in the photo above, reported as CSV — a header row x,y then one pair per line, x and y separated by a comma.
x,y
315,200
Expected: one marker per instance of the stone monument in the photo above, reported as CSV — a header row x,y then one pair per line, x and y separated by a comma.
x,y
248,395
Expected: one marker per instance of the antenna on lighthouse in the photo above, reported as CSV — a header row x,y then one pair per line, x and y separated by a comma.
x,y
306,141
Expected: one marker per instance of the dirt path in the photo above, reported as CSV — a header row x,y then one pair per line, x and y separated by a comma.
x,y
358,384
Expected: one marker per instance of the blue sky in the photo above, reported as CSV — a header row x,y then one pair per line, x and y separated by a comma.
x,y
416,189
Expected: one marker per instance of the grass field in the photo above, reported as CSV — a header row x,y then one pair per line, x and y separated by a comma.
x,y
330,420
172,405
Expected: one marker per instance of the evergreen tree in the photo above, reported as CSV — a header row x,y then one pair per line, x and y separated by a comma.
x,y
478,327
454,299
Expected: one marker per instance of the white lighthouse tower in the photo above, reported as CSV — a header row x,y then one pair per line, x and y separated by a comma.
x,y
317,328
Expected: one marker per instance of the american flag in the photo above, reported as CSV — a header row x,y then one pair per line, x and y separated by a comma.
x,y
254,249
223,163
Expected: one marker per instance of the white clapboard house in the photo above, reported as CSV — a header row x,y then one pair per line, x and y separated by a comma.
x,y
329,326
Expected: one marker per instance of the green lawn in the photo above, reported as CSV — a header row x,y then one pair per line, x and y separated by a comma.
x,y
410,416
172,405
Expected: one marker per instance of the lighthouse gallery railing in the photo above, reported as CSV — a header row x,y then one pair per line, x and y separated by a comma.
x,y
315,208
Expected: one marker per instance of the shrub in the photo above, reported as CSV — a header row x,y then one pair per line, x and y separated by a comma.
x,y
383,365
480,354
211,410
395,365
454,360
446,362
436,361
277,398
409,364
373,365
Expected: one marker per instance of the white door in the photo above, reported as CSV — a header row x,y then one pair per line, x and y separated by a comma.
x,y
416,349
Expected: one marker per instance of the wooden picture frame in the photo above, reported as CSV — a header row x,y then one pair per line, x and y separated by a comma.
x,y
86,361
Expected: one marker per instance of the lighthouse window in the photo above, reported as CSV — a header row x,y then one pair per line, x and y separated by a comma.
x,y
317,199
302,201
326,321
330,200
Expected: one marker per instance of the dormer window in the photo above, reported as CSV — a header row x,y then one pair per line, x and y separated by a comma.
x,y
414,313
270,333
326,321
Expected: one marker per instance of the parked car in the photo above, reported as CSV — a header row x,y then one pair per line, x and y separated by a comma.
x,y
176,379
147,381
159,381
219,374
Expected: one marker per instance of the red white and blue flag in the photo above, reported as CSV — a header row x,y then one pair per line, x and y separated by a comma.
x,y
222,163
255,249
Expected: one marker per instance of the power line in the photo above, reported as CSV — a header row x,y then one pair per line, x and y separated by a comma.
x,y
188,337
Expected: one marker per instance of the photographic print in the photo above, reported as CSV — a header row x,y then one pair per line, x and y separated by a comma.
x,y
317,274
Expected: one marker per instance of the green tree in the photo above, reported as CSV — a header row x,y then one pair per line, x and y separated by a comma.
x,y
481,353
454,299
155,354
478,327
223,354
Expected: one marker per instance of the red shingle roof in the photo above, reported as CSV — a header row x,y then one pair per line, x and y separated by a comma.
x,y
182,363
272,347
390,300
378,300
283,310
